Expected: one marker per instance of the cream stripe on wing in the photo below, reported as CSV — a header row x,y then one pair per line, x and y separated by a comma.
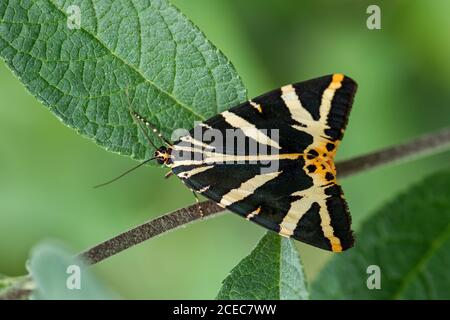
x,y
299,113
327,229
207,126
327,97
292,101
255,105
191,149
301,206
248,129
253,213
192,172
211,157
203,189
247,188
291,219
302,115
231,158
195,142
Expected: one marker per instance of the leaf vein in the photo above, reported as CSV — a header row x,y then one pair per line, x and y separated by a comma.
x,y
176,101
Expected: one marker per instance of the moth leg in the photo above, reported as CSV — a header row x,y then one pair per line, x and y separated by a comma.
x,y
197,201
168,174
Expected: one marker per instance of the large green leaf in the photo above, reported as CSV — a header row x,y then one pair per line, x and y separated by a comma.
x,y
174,75
408,240
53,269
271,271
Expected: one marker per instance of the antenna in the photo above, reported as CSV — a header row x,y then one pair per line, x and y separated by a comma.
x,y
123,174
142,121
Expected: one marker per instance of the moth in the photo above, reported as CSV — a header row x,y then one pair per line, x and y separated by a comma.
x,y
271,160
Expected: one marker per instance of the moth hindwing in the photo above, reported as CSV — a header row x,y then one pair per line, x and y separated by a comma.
x,y
271,160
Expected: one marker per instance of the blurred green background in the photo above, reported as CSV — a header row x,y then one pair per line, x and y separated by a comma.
x,y
47,171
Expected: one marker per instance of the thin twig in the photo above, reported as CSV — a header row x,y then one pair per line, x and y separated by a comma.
x,y
423,145
149,230
426,144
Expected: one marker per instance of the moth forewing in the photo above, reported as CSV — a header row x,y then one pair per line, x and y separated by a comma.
x,y
292,189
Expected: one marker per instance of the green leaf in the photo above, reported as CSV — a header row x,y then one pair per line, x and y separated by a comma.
x,y
174,75
408,239
271,271
56,272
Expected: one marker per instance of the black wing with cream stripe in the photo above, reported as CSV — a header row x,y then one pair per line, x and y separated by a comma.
x,y
284,181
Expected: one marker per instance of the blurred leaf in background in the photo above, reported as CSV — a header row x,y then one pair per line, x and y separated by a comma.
x,y
406,240
58,275
47,170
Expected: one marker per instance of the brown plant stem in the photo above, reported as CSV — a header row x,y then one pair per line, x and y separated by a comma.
x,y
149,230
419,147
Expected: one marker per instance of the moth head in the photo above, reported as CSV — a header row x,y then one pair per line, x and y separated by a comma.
x,y
162,155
